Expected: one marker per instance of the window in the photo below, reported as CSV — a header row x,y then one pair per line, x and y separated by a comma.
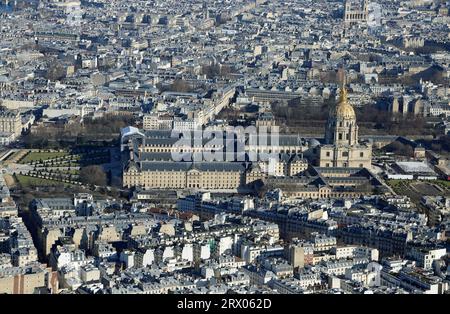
x,y
361,154
344,154
328,154
340,136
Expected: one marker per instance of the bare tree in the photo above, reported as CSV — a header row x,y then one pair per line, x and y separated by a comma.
x,y
94,175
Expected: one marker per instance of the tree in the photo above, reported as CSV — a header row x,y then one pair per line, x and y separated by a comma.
x,y
56,70
445,142
399,148
94,175
180,86
436,147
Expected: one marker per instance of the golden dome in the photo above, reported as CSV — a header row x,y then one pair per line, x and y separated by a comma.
x,y
343,109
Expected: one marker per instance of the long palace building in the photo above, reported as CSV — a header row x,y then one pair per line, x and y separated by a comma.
x,y
337,166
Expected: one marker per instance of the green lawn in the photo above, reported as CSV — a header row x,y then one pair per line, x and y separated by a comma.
x,y
35,156
73,160
27,181
444,184
396,183
76,172
400,183
402,187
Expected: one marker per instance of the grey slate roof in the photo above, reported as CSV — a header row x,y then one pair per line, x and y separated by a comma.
x,y
186,166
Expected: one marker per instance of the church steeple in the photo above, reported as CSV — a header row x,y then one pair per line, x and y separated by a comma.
x,y
341,127
342,148
343,97
343,109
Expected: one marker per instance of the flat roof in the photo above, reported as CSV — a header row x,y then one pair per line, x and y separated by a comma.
x,y
414,167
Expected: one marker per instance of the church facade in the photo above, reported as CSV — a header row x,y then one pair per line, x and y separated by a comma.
x,y
342,148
